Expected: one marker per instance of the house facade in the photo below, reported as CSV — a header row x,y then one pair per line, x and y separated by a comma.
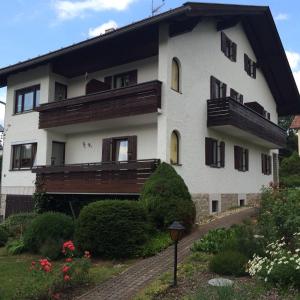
x,y
200,87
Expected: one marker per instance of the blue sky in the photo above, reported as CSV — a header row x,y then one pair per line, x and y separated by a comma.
x,y
32,27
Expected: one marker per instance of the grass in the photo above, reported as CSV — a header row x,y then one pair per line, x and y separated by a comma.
x,y
14,272
156,243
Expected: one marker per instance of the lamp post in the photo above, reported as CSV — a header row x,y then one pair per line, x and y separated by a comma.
x,y
176,233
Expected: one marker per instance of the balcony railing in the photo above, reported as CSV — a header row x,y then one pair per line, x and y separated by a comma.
x,y
239,120
95,178
138,99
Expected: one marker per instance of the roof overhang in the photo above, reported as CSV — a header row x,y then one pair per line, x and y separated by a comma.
x,y
257,21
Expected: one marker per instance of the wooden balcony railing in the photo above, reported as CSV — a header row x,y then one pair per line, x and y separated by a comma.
x,y
95,178
227,111
138,99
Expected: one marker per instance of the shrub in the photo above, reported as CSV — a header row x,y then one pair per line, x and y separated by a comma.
x,y
112,228
51,249
166,198
55,226
3,236
290,171
229,263
16,224
15,247
156,244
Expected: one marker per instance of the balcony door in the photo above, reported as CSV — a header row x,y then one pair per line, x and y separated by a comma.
x,y
58,154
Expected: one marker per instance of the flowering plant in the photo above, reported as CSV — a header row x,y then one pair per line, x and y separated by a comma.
x,y
280,265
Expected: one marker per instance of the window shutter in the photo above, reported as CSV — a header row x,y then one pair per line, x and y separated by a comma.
x,y
263,163
208,151
234,49
246,160
133,77
132,147
224,90
237,157
212,88
223,42
253,69
269,165
222,154
246,63
108,81
106,150
241,98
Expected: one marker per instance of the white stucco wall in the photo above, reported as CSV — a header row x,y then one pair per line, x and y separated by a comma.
x,y
200,56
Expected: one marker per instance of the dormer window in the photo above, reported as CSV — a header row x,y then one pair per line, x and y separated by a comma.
x,y
250,66
228,47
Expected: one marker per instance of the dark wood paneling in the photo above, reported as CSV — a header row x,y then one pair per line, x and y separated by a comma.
x,y
133,100
98,178
18,204
227,111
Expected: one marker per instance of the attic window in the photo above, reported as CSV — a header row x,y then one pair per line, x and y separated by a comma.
x,y
228,47
250,66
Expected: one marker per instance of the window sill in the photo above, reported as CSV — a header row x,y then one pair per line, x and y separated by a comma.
x,y
16,170
24,112
178,92
178,165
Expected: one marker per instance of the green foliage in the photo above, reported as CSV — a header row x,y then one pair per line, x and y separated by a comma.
x,y
15,247
279,214
155,244
229,263
112,228
51,248
166,198
3,236
55,226
16,224
290,171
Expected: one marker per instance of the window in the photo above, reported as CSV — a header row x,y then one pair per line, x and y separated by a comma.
x,y
249,66
27,99
58,154
174,155
217,88
61,91
176,74
125,79
267,115
214,153
228,47
241,159
119,149
214,206
242,202
266,161
23,156
236,96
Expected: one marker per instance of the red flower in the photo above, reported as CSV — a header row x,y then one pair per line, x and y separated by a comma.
x,y
68,245
33,263
67,278
65,269
69,259
45,265
56,296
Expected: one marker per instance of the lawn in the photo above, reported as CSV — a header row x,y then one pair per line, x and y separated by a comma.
x,y
14,273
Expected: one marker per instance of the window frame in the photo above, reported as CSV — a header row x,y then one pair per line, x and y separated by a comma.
x,y
222,88
33,156
132,78
177,135
64,153
241,159
228,47
62,85
23,92
266,164
214,153
218,206
250,66
236,96
114,148
177,64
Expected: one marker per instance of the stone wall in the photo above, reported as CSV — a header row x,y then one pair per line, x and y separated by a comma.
x,y
202,206
228,201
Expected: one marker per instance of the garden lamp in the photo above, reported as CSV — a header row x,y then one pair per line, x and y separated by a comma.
x,y
176,232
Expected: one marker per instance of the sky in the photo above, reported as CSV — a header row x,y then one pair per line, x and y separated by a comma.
x,y
33,27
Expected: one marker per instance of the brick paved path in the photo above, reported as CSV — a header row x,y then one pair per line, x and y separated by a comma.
x,y
127,284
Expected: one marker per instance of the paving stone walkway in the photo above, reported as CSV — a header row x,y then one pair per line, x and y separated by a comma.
x,y
127,284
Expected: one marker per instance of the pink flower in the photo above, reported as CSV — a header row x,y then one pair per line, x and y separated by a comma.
x,y
67,278
56,296
65,269
68,246
69,259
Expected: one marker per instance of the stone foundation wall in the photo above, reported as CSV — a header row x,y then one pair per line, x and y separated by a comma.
x,y
226,202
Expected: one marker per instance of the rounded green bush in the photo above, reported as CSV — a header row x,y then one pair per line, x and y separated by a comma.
x,y
229,263
48,226
167,199
112,228
3,236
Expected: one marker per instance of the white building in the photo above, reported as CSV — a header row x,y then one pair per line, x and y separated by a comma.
x,y
200,87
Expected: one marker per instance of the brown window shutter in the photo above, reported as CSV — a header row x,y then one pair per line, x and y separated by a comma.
x,y
263,163
234,50
246,160
133,77
132,147
241,98
222,154
208,151
212,88
108,81
224,90
237,157
253,70
223,42
246,63
106,150
269,165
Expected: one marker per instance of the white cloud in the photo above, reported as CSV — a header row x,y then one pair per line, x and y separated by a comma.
x,y
101,29
297,78
282,17
294,60
68,9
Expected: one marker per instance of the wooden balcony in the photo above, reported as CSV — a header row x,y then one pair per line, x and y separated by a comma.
x,y
143,98
236,119
95,178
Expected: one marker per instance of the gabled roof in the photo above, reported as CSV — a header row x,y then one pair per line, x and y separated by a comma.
x,y
257,21
296,123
